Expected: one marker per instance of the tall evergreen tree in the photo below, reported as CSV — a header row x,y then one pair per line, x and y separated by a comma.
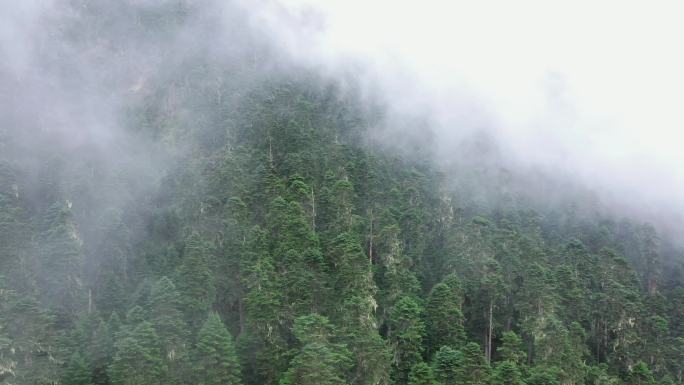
x,y
320,361
443,316
195,281
77,373
171,328
421,374
62,264
476,369
507,373
358,326
216,361
448,366
138,358
406,334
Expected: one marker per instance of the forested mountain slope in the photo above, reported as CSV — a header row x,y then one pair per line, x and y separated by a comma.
x,y
245,226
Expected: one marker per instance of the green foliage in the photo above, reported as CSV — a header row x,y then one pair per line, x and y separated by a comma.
x,y
77,373
507,373
26,343
406,333
598,375
137,359
641,375
101,350
421,374
62,263
443,316
270,213
319,361
195,281
171,328
476,369
448,366
541,375
511,348
215,360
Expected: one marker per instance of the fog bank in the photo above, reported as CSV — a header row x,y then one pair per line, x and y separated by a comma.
x,y
590,91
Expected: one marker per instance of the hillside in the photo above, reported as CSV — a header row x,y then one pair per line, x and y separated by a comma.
x,y
245,223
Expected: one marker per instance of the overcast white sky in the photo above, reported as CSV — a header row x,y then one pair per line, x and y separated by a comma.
x,y
593,86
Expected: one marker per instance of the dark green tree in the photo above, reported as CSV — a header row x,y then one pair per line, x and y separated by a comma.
x,y
62,264
476,369
511,348
319,361
169,323
138,358
77,372
543,375
641,375
443,316
215,360
421,374
358,325
507,373
406,333
100,352
195,281
448,366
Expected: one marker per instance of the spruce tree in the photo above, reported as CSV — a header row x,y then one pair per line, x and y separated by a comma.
x,y
543,375
101,350
195,281
171,328
137,360
507,373
443,316
358,325
215,360
264,303
77,372
421,374
62,264
476,369
406,333
511,348
641,375
319,361
448,366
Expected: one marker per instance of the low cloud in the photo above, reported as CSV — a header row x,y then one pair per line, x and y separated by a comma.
x,y
587,90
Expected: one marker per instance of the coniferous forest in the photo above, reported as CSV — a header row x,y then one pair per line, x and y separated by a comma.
x,y
183,206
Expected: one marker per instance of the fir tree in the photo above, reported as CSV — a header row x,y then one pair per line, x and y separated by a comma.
x,y
475,367
507,373
443,316
511,348
138,358
216,361
448,366
406,333
421,374
170,326
77,373
195,281
320,361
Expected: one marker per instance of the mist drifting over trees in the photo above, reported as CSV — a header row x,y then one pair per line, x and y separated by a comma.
x,y
291,192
